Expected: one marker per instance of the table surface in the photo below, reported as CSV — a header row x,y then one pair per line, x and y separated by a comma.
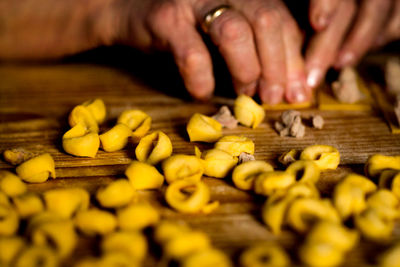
x,y
35,101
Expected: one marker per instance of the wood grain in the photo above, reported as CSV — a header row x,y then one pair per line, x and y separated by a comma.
x,y
35,102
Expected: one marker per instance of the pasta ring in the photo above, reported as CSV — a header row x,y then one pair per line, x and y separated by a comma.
x,y
305,171
244,174
269,182
179,167
326,157
180,201
264,255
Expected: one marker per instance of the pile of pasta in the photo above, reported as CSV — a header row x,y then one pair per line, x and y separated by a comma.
x,y
44,229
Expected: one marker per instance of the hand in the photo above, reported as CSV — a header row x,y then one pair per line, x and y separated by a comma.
x,y
259,40
345,31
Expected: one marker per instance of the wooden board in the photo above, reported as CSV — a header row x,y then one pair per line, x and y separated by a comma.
x,y
35,102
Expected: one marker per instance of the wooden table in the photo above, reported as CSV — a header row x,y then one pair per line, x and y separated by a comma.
x,y
35,101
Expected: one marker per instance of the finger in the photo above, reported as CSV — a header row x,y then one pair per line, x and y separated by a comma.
x,y
265,21
392,28
172,26
370,20
296,87
321,13
233,36
324,45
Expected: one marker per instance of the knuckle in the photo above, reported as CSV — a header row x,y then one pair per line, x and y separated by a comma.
x,y
190,59
162,14
266,18
249,75
233,29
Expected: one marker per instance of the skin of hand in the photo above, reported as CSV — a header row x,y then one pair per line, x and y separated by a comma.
x,y
345,30
259,40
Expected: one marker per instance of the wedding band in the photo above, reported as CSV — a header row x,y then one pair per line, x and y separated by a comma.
x,y
213,15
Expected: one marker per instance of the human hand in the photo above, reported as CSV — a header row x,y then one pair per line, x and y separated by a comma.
x,y
259,40
345,31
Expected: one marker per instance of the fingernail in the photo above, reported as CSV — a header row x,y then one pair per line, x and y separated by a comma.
x,y
271,94
249,89
345,58
314,77
295,92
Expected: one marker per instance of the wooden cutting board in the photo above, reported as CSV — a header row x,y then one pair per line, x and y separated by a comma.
x,y
35,102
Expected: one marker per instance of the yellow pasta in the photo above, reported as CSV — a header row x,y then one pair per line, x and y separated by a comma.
x,y
335,234
9,221
131,243
197,152
289,157
79,142
154,148
378,163
268,182
385,203
94,221
207,257
28,205
210,207
81,115
137,216
116,138
203,128
243,175
37,256
373,226
305,171
264,255
144,176
43,218
218,163
326,157
187,196
275,208
66,201
390,179
248,112
37,169
60,234
349,196
304,211
166,230
183,245
10,247
4,199
138,121
117,259
320,255
391,258
11,184
180,166
235,145
97,108
116,194
297,190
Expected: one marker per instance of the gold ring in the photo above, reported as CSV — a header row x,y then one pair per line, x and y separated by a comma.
x,y
213,15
